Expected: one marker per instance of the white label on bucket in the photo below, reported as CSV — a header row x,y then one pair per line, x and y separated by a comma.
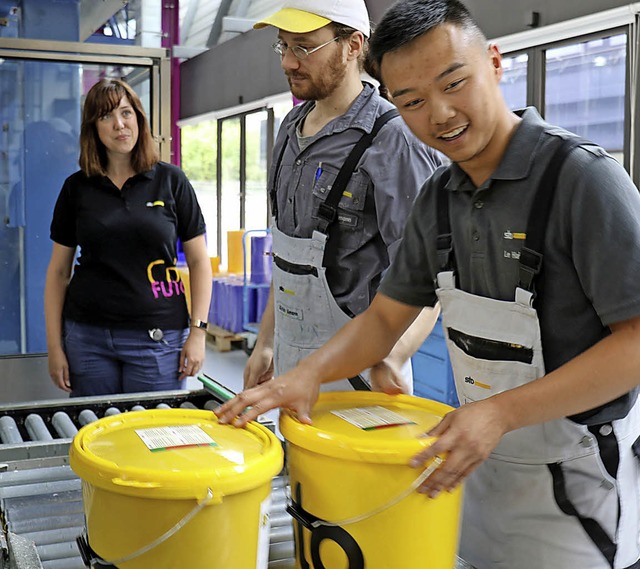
x,y
179,436
264,534
370,418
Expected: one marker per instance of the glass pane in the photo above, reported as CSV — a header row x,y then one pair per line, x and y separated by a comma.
x,y
514,80
198,154
12,208
40,113
280,110
256,186
585,90
230,212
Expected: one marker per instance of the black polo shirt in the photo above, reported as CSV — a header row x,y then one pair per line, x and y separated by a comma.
x,y
126,275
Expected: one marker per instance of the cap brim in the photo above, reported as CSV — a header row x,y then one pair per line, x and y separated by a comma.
x,y
294,21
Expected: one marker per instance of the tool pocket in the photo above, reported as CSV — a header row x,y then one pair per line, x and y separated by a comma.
x,y
302,316
488,349
350,208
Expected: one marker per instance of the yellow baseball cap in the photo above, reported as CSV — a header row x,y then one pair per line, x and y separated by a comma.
x,y
303,16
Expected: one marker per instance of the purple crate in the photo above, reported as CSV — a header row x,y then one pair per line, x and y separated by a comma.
x,y
235,302
261,259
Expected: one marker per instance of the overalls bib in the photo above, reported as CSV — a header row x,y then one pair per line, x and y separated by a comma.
x,y
306,313
557,495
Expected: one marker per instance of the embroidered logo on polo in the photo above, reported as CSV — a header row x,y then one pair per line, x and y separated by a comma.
x,y
169,282
509,235
518,236
157,203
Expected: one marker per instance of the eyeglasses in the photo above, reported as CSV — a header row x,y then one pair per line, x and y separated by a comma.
x,y
300,52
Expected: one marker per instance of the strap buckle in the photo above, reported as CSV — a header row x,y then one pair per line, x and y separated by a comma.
x,y
327,215
444,244
530,266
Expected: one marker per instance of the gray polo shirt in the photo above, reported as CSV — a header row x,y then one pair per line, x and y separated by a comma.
x,y
375,206
592,244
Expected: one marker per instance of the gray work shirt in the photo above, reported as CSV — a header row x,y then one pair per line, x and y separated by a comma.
x,y
592,244
374,207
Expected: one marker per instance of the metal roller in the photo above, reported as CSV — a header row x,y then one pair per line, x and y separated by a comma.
x,y
112,411
67,563
35,489
43,511
9,432
57,550
87,416
40,524
63,425
36,428
283,551
283,533
36,475
46,537
25,501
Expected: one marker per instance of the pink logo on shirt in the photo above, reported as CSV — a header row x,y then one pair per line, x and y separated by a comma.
x,y
170,285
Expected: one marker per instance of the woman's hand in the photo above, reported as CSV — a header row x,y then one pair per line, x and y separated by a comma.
x,y
192,354
59,369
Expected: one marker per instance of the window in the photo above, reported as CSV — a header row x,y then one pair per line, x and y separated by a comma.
x,y
586,88
514,80
231,181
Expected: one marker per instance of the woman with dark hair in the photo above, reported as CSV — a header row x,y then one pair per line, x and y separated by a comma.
x,y
117,319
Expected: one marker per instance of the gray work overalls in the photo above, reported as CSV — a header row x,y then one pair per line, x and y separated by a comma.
x,y
306,313
558,495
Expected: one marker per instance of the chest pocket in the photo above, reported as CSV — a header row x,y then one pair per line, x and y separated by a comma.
x,y
349,224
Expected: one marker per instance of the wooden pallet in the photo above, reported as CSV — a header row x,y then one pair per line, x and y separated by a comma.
x,y
223,340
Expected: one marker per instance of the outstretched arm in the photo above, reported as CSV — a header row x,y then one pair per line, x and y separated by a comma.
x,y
361,343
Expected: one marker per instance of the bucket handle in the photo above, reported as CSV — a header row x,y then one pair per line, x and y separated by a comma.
x,y
164,537
311,522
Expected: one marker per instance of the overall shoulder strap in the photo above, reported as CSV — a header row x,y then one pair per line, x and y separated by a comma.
x,y
328,210
444,241
276,170
533,248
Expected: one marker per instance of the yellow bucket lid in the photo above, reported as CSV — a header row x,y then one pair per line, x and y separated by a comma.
x,y
174,454
366,426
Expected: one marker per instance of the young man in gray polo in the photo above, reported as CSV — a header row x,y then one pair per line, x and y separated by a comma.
x,y
328,262
530,242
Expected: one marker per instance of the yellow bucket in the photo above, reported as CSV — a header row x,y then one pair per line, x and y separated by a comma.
x,y
353,494
173,488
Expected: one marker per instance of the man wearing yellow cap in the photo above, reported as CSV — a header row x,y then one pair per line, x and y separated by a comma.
x,y
344,176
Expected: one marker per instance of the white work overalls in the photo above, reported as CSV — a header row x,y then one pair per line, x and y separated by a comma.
x,y
558,495
306,313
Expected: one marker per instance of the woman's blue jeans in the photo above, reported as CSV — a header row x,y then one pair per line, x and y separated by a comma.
x,y
106,361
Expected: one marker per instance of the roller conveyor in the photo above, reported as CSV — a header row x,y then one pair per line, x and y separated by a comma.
x,y
41,498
